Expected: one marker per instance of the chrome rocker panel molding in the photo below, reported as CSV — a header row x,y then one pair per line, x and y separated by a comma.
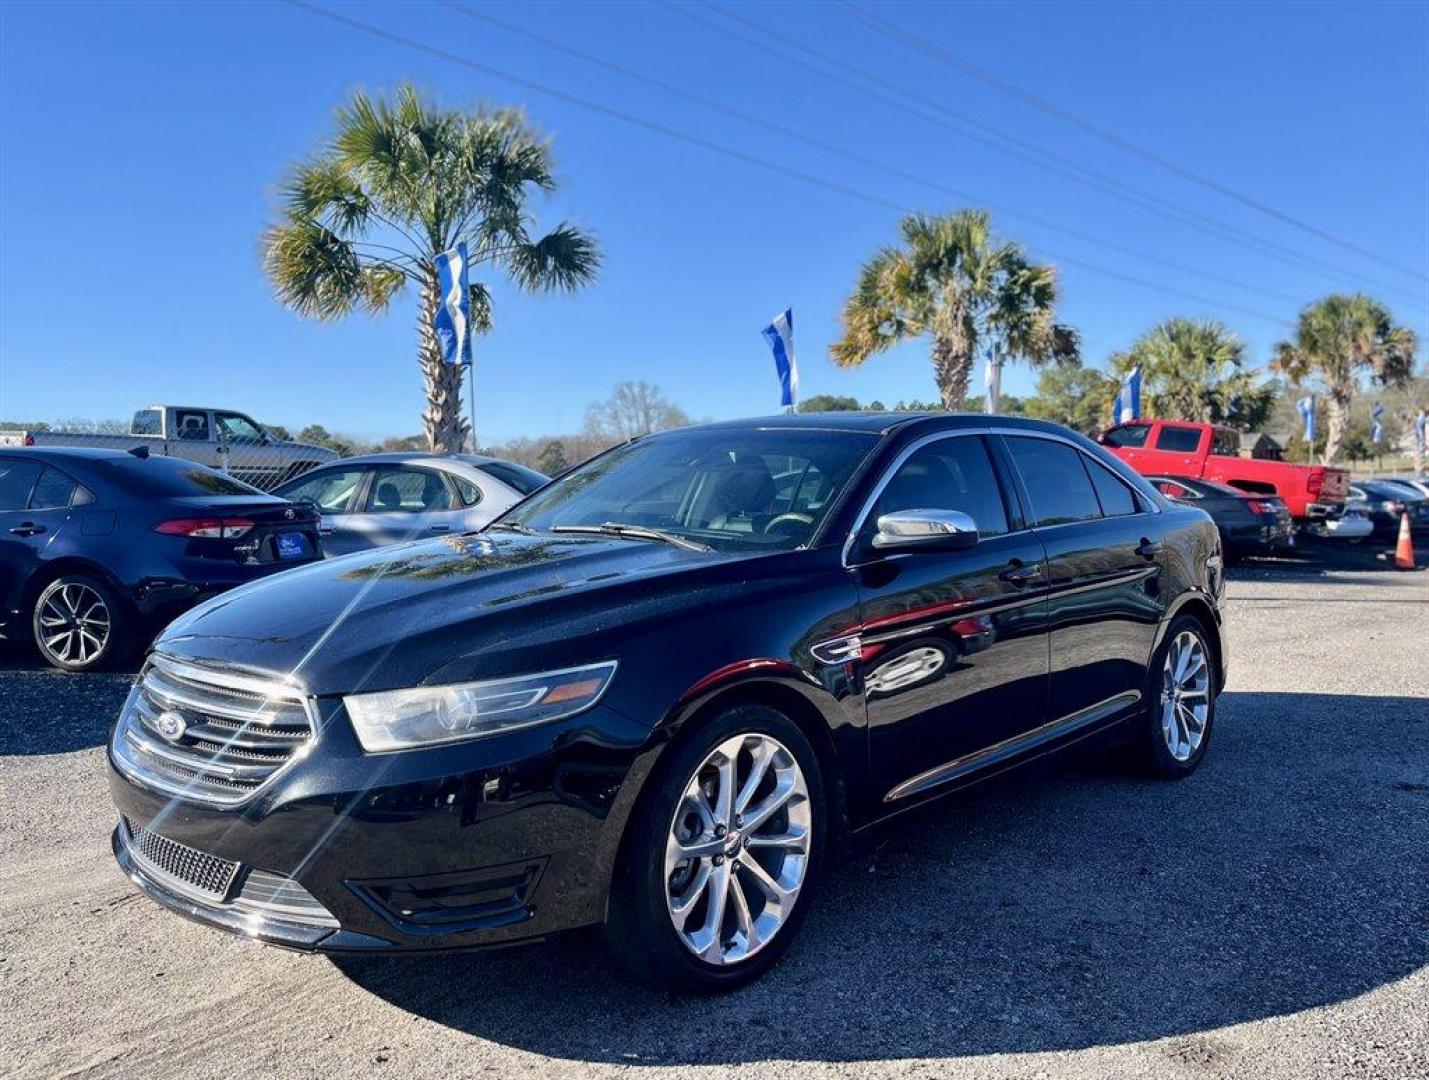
x,y
1008,748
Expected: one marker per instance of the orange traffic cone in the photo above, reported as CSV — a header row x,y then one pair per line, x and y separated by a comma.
x,y
1404,550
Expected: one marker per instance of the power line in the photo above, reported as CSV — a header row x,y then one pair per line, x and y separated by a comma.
x,y
900,97
727,151
849,155
1027,97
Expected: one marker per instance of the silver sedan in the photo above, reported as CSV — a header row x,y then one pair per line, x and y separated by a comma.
x,y
382,499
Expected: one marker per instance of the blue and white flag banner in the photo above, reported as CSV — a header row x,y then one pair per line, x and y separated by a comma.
x,y
1127,405
1421,429
1306,405
1377,414
453,319
992,379
780,335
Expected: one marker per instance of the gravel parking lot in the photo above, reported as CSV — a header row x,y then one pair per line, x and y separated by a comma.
x,y
1268,917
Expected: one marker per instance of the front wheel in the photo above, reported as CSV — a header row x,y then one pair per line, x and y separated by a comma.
x,y
718,871
1181,692
79,624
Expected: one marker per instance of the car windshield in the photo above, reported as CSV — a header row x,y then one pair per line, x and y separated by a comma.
x,y
168,477
729,489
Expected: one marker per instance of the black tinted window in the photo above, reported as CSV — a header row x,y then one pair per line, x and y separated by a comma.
x,y
951,474
1179,440
16,480
1056,482
1116,498
168,476
515,476
1135,435
53,492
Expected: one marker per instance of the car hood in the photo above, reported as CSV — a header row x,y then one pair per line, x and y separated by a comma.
x,y
436,610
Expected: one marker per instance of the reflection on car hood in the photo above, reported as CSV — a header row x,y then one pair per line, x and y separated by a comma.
x,y
401,615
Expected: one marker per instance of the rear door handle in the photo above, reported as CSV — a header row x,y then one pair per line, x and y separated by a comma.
x,y
1148,549
439,528
27,528
1021,574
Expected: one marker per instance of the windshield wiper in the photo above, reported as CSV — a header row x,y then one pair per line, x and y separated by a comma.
x,y
636,532
513,526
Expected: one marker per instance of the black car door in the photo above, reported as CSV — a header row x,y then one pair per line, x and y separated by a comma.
x,y
953,645
1106,598
34,503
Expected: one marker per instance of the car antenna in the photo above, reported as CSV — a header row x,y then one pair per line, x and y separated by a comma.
x,y
141,452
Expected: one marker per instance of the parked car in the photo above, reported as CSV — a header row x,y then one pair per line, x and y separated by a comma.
x,y
388,498
1419,484
1208,452
1384,502
1248,524
1352,523
99,548
219,438
659,689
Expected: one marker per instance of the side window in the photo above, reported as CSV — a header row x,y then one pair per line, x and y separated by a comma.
x,y
1179,440
147,422
470,494
53,491
1116,498
412,491
1225,442
191,425
1133,435
950,474
331,490
17,478
1058,485
1173,490
238,428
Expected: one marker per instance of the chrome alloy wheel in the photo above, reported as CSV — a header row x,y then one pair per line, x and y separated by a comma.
x,y
1185,695
738,849
74,623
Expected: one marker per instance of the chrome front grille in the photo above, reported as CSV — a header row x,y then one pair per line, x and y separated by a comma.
x,y
207,734
180,868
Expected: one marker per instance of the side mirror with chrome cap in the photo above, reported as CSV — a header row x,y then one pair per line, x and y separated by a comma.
x,y
924,530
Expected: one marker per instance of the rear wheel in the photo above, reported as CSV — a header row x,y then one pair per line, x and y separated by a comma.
x,y
1181,691
79,624
718,871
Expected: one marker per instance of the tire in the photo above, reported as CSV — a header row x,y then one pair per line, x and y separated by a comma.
x,y
79,624
651,882
1169,745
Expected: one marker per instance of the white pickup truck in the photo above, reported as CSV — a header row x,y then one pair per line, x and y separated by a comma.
x,y
220,438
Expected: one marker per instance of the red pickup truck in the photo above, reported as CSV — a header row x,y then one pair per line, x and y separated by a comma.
x,y
1183,448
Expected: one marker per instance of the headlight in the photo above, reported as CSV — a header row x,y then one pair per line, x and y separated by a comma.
x,y
426,715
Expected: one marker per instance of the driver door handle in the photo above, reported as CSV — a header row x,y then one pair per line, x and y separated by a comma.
x,y
1021,574
1148,549
27,528
439,528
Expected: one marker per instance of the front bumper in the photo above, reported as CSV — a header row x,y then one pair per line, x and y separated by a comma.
x,y
474,845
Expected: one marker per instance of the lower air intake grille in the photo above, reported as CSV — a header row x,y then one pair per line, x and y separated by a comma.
x,y
184,869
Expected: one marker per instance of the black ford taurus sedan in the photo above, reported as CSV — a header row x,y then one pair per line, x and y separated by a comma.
x,y
655,692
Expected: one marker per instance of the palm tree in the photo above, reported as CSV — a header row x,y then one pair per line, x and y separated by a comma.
x,y
402,181
970,293
1339,339
1195,370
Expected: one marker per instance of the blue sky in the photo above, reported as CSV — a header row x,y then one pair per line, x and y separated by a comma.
x,y
142,143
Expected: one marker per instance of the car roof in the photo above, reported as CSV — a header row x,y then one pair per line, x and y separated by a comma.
x,y
879,423
67,453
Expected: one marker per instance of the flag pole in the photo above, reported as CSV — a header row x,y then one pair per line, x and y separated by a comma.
x,y
471,400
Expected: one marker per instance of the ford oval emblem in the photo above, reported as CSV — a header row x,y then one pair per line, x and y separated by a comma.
x,y
171,725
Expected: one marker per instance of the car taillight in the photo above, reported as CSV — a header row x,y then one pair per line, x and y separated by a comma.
x,y
1317,482
206,528
29,440
1258,507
